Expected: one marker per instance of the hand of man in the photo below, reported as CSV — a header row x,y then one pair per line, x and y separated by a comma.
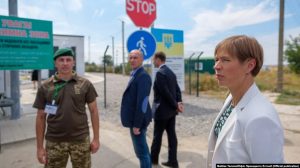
x,y
95,144
42,155
180,107
136,131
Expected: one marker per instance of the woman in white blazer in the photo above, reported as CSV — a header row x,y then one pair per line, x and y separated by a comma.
x,y
247,129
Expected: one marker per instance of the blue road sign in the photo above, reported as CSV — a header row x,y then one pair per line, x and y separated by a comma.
x,y
143,41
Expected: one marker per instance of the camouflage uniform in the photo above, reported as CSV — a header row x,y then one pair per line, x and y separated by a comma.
x,y
58,154
67,130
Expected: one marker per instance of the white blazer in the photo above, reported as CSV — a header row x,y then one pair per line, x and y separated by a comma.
x,y
251,134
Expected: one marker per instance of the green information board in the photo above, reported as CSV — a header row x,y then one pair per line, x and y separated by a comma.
x,y
25,43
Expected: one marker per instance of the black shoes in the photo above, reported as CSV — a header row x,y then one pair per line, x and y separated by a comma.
x,y
169,164
154,163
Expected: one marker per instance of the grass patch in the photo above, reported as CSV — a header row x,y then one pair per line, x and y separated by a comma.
x,y
266,80
208,86
219,95
289,98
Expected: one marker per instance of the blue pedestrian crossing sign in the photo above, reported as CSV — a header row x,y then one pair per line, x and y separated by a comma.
x,y
143,41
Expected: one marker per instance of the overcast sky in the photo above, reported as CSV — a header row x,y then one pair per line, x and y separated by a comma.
x,y
204,22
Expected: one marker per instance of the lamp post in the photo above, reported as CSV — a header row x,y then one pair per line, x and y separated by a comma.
x,y
123,52
104,62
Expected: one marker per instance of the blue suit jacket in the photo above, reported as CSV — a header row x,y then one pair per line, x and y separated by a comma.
x,y
135,107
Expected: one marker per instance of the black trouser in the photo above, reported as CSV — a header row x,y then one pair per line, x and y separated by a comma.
x,y
159,127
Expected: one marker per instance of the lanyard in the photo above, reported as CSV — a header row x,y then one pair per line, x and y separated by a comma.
x,y
57,88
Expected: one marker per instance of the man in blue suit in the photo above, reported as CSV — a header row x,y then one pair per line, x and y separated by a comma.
x,y
167,104
135,108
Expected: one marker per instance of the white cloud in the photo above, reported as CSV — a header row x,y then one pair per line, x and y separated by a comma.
x,y
54,12
98,13
209,23
73,5
3,11
192,4
120,2
161,26
29,11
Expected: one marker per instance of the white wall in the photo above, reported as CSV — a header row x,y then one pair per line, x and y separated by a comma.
x,y
5,82
2,81
63,41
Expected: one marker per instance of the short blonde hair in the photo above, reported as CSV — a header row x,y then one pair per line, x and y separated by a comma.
x,y
243,48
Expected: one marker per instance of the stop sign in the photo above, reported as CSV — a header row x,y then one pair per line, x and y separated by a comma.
x,y
141,12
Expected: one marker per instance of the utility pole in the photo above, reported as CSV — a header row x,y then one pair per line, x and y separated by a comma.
x,y
14,75
117,56
123,52
280,48
89,53
113,52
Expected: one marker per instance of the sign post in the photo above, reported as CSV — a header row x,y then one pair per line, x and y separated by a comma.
x,y
141,12
171,42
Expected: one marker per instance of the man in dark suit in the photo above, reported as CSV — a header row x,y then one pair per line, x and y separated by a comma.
x,y
167,103
135,108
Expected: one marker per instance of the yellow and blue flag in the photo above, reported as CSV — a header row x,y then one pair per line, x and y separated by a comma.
x,y
169,41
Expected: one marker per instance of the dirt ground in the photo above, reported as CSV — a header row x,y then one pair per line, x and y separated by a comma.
x,y
117,152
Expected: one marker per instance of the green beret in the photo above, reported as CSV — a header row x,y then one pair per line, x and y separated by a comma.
x,y
63,52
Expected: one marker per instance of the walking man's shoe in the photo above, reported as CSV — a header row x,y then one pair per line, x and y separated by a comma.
x,y
155,163
169,164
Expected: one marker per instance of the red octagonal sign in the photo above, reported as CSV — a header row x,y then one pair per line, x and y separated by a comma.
x,y
141,12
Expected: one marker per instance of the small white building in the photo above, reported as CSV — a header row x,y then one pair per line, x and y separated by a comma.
x,y
76,43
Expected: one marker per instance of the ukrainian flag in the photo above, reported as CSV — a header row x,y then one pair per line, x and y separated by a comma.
x,y
169,41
